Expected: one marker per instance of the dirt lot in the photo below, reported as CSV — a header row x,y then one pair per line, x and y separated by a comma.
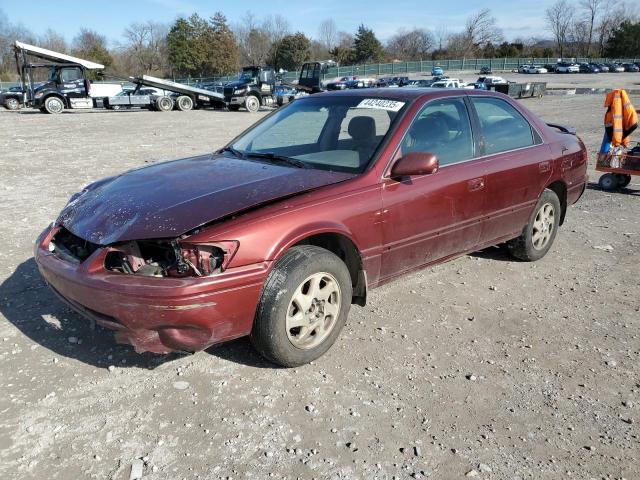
x,y
481,367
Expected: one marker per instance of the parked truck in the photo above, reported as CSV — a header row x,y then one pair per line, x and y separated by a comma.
x,y
67,85
259,86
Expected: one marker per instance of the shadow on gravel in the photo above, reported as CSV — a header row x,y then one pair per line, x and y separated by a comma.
x,y
620,191
27,302
498,253
241,351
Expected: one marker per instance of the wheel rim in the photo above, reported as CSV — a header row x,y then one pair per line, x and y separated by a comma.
x,y
185,103
55,105
12,104
252,104
543,226
313,310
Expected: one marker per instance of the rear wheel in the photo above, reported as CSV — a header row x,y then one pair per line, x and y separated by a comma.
x,y
184,103
304,305
53,105
164,104
608,181
540,232
623,180
252,103
12,104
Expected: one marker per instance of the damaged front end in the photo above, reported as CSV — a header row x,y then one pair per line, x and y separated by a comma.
x,y
149,258
158,295
173,258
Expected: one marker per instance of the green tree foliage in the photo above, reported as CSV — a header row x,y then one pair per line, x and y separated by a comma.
x,y
291,52
225,53
201,47
367,47
625,41
92,46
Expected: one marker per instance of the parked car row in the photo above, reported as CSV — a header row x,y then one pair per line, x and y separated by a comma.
x,y
582,67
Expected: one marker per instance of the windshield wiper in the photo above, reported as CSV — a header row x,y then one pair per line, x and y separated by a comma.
x,y
277,158
234,152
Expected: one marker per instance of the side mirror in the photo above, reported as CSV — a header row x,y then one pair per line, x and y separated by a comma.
x,y
415,163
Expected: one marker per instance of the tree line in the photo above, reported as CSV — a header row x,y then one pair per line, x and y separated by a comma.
x,y
198,46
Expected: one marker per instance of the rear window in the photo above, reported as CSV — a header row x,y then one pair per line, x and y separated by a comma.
x,y
503,127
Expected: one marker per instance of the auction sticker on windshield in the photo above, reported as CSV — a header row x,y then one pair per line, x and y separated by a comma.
x,y
381,104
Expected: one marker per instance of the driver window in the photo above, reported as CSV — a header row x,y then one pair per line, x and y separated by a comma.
x,y
442,128
71,74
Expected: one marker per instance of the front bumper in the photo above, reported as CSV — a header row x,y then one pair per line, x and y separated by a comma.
x,y
157,315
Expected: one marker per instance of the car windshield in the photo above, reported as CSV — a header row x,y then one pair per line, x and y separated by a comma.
x,y
339,133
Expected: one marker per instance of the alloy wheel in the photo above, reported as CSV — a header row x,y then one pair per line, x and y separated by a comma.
x,y
543,226
313,310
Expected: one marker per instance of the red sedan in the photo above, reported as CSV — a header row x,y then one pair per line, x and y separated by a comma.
x,y
277,234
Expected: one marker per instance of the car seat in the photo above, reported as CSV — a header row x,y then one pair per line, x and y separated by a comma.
x,y
362,130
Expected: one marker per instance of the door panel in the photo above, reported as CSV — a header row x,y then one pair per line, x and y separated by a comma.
x,y
514,182
517,167
431,217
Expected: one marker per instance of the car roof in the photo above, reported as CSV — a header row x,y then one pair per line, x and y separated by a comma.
x,y
402,94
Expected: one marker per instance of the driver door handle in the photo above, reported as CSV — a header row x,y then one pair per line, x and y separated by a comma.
x,y
476,184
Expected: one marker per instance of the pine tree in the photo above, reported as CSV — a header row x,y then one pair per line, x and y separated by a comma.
x,y
225,53
367,47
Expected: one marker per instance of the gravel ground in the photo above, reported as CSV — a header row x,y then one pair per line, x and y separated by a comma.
x,y
481,367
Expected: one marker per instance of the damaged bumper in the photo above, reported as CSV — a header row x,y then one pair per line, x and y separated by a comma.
x,y
153,314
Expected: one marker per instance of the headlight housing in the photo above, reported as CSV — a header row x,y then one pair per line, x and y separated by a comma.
x,y
240,91
176,259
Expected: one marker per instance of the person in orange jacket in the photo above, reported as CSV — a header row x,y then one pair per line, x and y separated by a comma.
x,y
620,119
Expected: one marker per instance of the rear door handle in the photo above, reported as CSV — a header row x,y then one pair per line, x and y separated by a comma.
x,y
476,184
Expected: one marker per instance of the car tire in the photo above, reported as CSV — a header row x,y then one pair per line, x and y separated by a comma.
x,y
540,231
295,292
11,104
252,103
53,105
623,180
608,181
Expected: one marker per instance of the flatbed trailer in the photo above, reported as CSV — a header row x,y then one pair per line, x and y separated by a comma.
x,y
182,97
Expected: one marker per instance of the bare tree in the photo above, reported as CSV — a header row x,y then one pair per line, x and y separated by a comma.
x,y
593,8
146,45
328,33
411,45
480,29
442,34
53,41
559,19
257,40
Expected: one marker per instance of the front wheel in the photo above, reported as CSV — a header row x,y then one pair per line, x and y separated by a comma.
x,y
12,104
53,105
540,231
608,181
252,103
304,305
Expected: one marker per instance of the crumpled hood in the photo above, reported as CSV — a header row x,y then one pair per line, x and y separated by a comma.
x,y
169,199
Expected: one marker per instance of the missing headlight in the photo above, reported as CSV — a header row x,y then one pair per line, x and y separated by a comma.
x,y
166,259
